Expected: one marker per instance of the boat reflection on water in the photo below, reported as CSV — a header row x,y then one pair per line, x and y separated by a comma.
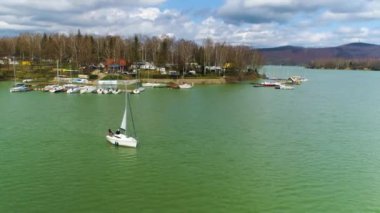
x,y
123,153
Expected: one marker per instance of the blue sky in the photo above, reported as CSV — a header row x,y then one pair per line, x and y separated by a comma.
x,y
259,23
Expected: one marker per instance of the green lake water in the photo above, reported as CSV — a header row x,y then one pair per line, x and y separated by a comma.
x,y
216,148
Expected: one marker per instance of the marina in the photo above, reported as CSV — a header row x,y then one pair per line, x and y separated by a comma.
x,y
102,87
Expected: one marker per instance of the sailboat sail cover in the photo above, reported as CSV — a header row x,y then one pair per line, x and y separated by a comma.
x,y
123,125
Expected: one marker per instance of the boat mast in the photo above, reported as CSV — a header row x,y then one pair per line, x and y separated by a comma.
x,y
126,110
57,73
14,71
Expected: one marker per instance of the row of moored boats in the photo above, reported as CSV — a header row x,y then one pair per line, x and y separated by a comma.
x,y
171,85
67,88
72,88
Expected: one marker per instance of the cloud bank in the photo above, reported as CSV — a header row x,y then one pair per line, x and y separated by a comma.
x,y
257,23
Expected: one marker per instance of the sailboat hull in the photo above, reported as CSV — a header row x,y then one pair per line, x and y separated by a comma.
x,y
122,140
20,89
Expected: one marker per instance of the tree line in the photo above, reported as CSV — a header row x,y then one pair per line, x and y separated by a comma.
x,y
346,64
81,50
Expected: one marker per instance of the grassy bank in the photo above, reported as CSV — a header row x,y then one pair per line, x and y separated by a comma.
x,y
45,75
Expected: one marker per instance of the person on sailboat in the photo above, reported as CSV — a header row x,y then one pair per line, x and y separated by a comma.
x,y
117,131
110,133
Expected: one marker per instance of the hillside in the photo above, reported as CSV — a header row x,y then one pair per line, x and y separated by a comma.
x,y
292,55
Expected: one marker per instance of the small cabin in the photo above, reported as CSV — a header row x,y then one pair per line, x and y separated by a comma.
x,y
173,73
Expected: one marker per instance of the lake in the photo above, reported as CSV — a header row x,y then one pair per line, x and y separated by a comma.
x,y
212,148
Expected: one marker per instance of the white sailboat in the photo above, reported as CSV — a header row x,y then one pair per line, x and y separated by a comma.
x,y
74,89
55,88
138,90
139,87
18,87
118,138
87,89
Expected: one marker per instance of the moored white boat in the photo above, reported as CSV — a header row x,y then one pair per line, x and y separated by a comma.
x,y
99,91
300,78
20,88
87,89
185,86
153,85
105,91
27,80
73,90
285,87
57,89
47,88
148,84
270,84
115,91
138,90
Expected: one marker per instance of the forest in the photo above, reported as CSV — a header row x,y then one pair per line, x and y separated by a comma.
x,y
345,64
83,50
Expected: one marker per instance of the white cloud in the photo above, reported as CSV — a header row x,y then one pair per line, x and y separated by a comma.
x,y
146,13
328,15
358,16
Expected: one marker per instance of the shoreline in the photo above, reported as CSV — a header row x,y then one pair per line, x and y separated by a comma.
x,y
196,81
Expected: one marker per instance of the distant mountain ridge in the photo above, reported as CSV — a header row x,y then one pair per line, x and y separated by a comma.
x,y
293,55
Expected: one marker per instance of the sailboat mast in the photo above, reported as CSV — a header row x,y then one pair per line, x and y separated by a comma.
x,y
125,109
57,72
14,70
